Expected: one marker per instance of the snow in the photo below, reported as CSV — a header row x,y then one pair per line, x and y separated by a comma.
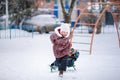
x,y
28,58
14,33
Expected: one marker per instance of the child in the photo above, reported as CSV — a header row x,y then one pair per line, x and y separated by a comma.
x,y
61,46
72,57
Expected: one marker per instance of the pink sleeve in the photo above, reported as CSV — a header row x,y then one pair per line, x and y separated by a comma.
x,y
53,38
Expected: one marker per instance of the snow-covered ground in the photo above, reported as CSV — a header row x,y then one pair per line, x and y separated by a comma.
x,y
29,58
14,33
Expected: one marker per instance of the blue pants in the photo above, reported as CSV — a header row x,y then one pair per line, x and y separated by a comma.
x,y
62,63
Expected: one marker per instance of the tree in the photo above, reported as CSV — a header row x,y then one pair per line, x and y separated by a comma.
x,y
17,8
21,9
67,14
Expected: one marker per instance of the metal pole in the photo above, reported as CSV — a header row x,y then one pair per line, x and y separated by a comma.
x,y
6,25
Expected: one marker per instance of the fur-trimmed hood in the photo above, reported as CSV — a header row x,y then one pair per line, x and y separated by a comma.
x,y
64,27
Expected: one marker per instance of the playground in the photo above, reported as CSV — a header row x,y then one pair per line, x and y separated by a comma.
x,y
29,58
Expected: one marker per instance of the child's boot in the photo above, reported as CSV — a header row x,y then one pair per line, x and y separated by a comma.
x,y
61,73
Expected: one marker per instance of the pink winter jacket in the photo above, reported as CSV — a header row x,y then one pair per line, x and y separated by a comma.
x,y
61,46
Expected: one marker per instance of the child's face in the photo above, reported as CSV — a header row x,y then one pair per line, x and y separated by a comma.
x,y
64,33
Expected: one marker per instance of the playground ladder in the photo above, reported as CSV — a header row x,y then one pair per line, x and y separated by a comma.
x,y
84,12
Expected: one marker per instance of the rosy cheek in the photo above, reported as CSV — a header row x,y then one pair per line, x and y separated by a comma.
x,y
66,33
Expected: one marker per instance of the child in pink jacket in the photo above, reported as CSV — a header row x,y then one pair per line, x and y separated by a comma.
x,y
61,46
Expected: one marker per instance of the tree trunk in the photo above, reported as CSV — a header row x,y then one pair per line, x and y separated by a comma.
x,y
67,15
67,18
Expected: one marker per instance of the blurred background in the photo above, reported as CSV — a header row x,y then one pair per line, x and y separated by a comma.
x,y
43,16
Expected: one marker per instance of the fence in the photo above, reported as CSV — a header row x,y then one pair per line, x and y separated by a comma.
x,y
109,29
16,32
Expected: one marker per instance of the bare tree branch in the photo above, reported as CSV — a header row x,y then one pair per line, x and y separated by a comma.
x,y
67,15
63,8
71,6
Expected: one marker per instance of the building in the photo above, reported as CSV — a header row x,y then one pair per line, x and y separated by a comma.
x,y
55,7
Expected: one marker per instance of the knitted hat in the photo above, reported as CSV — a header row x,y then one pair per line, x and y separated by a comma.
x,y
64,27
